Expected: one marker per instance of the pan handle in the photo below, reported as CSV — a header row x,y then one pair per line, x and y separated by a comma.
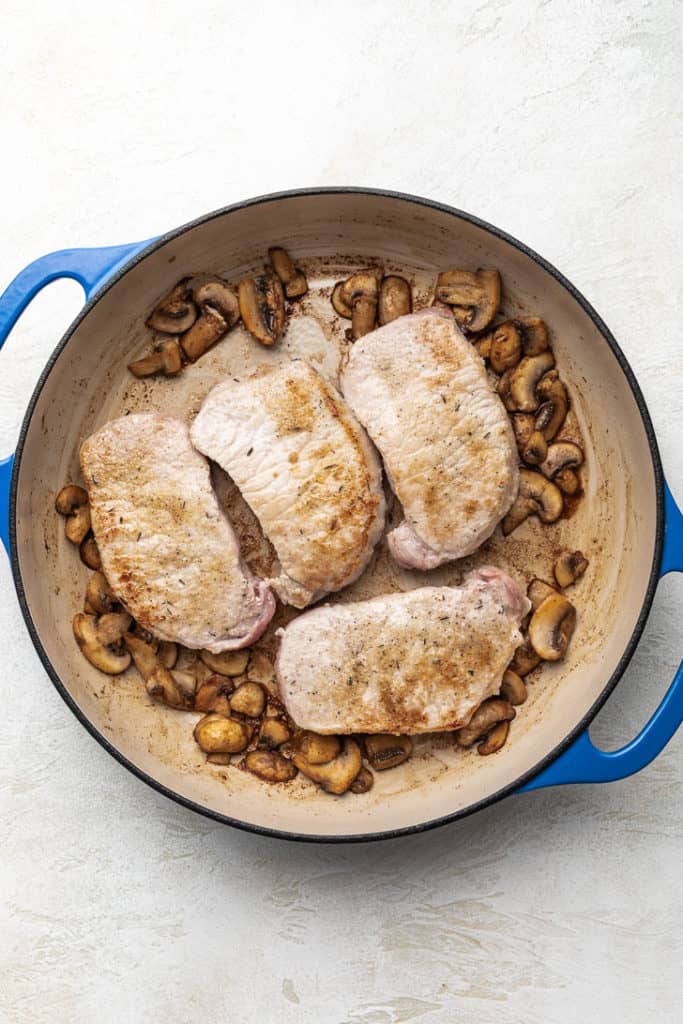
x,y
584,762
91,268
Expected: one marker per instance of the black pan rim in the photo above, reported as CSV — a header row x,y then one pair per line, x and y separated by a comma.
x,y
585,721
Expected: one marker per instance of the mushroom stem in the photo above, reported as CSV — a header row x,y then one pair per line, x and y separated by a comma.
x,y
293,280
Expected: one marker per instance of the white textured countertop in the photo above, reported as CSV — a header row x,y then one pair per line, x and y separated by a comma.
x,y
559,122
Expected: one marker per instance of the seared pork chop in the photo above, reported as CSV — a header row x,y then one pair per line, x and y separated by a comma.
x,y
421,390
305,467
168,552
420,661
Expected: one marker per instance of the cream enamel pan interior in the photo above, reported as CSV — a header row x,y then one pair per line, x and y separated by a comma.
x,y
615,525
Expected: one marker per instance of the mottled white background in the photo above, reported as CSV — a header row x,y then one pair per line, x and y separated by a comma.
x,y
558,121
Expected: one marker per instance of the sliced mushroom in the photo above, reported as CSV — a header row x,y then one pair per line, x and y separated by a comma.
x,y
504,385
385,751
72,502
536,496
112,626
176,689
536,449
361,293
506,347
475,296
293,280
534,335
99,594
537,591
363,782
513,688
176,312
248,699
318,749
567,481
261,669
337,775
165,358
525,660
274,732
216,294
103,655
569,566
495,739
523,427
144,654
167,653
552,395
552,626
525,378
214,695
487,715
205,332
561,455
395,299
340,306
262,305
222,759
269,766
229,663
90,554
216,734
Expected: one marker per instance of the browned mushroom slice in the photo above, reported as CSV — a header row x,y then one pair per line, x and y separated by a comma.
x,y
523,427
536,496
216,734
386,751
99,594
569,566
214,695
551,627
506,346
318,749
361,293
337,775
552,395
144,654
274,732
176,312
90,554
112,626
534,335
363,782
525,378
536,449
525,660
205,332
167,653
475,296
270,766
483,344
262,305
537,591
487,715
228,663
561,455
513,688
164,358
72,502
102,650
395,299
293,280
217,294
504,385
567,481
248,699
495,739
340,306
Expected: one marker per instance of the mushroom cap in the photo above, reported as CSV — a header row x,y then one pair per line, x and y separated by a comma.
x,y
552,626
395,299
506,346
552,394
176,312
525,378
362,283
545,497
487,715
475,294
70,498
337,775
217,293
534,335
561,455
98,654
340,307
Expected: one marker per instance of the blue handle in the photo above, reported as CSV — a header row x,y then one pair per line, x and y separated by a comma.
x,y
91,268
583,762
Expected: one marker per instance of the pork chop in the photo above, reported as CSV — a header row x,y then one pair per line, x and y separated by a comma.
x,y
305,467
422,393
168,551
420,661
